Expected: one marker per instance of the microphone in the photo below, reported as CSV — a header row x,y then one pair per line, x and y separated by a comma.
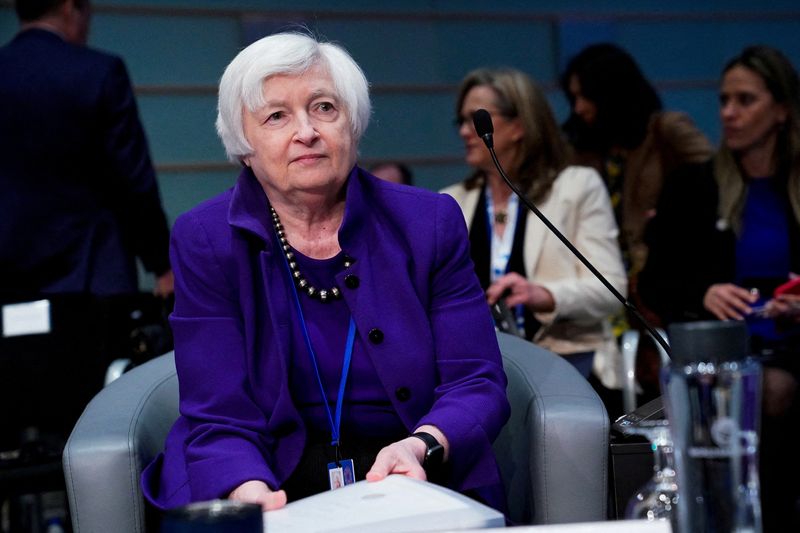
x,y
482,121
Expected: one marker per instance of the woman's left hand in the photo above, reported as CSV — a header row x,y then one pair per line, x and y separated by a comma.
x,y
520,291
402,457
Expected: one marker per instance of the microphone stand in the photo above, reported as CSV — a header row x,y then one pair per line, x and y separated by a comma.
x,y
483,126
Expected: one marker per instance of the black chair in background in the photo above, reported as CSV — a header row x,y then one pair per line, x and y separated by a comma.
x,y
48,378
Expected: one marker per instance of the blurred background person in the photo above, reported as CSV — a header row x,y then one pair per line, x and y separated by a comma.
x,y
617,126
80,202
558,302
78,191
394,172
307,262
727,233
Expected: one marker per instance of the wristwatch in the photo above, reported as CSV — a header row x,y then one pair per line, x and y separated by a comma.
x,y
434,452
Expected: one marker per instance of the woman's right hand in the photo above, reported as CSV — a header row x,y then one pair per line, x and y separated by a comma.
x,y
258,492
727,301
784,307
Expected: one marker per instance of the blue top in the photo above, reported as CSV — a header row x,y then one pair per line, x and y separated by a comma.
x,y
762,250
367,410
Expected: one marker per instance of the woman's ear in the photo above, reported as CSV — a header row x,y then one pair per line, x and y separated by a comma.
x,y
517,130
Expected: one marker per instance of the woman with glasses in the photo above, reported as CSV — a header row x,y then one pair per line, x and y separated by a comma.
x,y
557,302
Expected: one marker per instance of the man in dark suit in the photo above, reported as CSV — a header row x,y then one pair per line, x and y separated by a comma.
x,y
78,193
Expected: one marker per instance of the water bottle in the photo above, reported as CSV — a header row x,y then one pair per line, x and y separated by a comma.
x,y
712,391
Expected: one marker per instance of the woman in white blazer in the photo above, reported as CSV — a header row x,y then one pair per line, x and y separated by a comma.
x,y
558,301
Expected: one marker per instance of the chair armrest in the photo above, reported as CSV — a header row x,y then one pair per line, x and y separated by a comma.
x,y
121,430
553,452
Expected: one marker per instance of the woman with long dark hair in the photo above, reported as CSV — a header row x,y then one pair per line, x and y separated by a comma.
x,y
727,233
619,127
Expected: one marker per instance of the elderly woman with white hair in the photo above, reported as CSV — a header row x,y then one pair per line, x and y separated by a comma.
x,y
320,312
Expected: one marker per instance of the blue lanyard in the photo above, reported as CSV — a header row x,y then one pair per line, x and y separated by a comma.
x,y
348,355
513,215
503,254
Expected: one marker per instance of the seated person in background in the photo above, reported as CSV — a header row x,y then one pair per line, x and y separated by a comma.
x,y
394,172
618,127
558,302
727,232
319,311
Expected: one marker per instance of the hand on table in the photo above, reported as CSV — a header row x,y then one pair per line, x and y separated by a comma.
x,y
406,456
402,457
258,492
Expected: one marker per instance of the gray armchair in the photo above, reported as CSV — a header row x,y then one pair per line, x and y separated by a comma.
x,y
552,453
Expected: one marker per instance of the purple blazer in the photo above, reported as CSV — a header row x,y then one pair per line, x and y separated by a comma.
x,y
412,279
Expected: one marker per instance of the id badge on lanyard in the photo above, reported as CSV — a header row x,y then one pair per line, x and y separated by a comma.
x,y
340,472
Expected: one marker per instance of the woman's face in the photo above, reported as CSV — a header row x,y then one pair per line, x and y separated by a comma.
x,y
508,132
581,106
301,137
750,115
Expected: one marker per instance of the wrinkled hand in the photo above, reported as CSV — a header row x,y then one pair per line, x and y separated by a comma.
x,y
784,307
727,301
258,492
402,457
520,291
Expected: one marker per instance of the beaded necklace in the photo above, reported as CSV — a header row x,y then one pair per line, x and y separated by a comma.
x,y
323,295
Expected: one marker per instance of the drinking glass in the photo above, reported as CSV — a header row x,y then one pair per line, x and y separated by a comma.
x,y
656,499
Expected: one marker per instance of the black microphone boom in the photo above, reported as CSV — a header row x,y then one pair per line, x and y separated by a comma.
x,y
482,121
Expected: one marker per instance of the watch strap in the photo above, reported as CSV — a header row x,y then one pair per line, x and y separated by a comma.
x,y
434,451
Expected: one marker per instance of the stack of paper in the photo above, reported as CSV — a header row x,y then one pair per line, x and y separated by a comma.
x,y
397,503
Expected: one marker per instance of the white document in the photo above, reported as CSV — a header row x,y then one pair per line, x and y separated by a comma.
x,y
398,503
610,526
28,318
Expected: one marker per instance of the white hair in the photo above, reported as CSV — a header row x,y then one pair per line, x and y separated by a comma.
x,y
289,54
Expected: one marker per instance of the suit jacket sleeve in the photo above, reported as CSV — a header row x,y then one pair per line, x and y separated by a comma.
x,y
133,179
470,405
226,434
582,295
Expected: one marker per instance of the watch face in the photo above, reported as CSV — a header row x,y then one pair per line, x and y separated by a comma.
x,y
435,455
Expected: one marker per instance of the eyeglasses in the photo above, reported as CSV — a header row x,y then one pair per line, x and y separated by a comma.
x,y
461,119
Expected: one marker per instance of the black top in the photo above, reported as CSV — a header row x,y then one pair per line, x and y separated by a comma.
x,y
690,250
480,250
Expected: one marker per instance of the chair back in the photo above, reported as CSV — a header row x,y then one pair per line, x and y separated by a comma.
x,y
553,452
121,430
